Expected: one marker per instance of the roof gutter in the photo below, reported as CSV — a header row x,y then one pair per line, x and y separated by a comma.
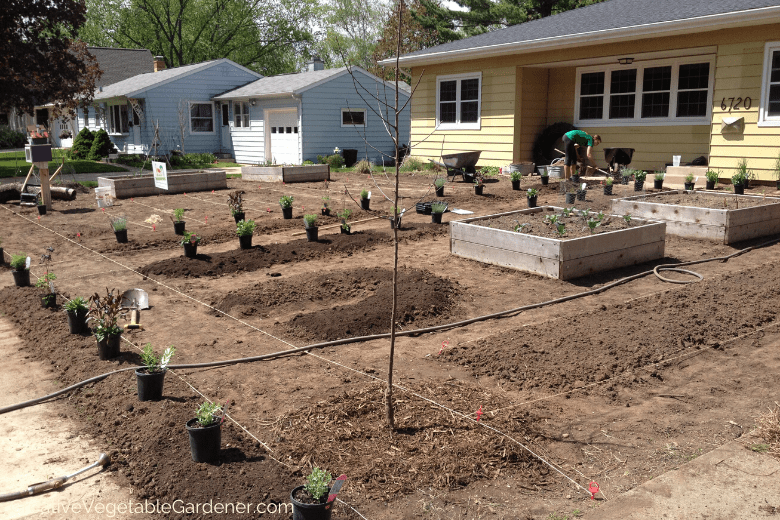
x,y
759,16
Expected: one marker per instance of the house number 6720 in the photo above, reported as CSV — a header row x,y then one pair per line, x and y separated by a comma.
x,y
736,103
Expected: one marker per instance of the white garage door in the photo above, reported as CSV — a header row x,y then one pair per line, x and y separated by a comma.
x,y
283,128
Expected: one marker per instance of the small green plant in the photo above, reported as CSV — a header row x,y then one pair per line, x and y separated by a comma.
x,y
398,211
154,363
310,220
608,181
639,175
77,304
532,193
515,176
308,163
105,311
712,175
490,171
317,483
44,280
208,414
286,201
235,202
438,207
760,448
479,179
568,211
19,261
363,166
325,201
544,173
344,216
743,173
412,164
519,228
245,228
560,229
593,223
626,172
364,194
659,176
118,223
439,182
689,178
189,238
627,218
178,214
552,219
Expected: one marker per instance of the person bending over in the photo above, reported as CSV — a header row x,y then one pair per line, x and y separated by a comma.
x,y
573,140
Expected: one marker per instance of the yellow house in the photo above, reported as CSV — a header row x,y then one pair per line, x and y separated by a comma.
x,y
664,77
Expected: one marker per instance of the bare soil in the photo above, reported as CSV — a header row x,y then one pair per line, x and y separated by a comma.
x,y
617,387
540,224
703,200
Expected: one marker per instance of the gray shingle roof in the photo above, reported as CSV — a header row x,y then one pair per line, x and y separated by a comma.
x,y
605,16
120,64
142,82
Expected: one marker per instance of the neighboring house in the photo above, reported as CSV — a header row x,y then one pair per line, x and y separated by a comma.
x,y
665,77
170,109
116,64
291,118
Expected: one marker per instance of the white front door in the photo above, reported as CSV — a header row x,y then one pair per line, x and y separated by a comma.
x,y
283,130
225,128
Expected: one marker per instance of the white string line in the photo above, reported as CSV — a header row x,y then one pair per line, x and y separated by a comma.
x,y
319,357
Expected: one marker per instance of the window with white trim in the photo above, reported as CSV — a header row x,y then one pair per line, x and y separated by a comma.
x,y
769,108
241,110
657,92
353,117
201,118
458,101
117,119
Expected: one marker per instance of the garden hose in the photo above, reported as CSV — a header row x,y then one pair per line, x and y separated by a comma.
x,y
358,339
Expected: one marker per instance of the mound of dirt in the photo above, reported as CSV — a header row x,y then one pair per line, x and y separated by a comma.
x,y
432,447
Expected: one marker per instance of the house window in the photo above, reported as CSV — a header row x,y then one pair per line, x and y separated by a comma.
x,y
458,101
353,117
769,110
672,91
241,110
201,117
117,119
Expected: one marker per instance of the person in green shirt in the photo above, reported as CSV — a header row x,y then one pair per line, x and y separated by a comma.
x,y
571,141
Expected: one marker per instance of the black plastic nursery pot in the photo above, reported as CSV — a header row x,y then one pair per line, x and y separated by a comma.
x,y
624,180
287,213
607,189
440,192
178,227
532,202
365,203
570,198
638,185
150,385
2,257
478,190
109,347
238,216
303,511
49,300
392,223
325,212
22,278
345,231
545,180
436,218
710,185
204,442
468,177
777,186
77,321
581,194
689,186
658,185
190,250
121,236
515,185
311,233
575,178
41,209
739,189
245,242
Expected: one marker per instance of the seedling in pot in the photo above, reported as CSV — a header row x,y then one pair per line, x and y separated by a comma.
x,y
439,182
608,181
209,414
532,193
689,178
46,281
245,228
515,176
286,201
364,194
190,238
156,364
438,207
105,311
118,223
344,216
640,175
178,215
712,175
235,202
19,262
310,221
659,176
76,305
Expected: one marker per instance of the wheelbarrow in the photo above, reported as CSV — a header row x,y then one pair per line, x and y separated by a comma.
x,y
461,163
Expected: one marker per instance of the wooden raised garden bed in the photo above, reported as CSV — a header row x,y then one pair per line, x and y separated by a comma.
x,y
309,173
730,218
179,181
558,258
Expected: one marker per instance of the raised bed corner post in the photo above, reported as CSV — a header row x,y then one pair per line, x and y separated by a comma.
x,y
43,168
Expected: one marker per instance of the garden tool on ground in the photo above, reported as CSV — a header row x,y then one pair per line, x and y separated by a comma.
x,y
54,483
135,300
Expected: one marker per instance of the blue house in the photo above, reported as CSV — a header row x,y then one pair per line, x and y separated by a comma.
x,y
290,118
170,109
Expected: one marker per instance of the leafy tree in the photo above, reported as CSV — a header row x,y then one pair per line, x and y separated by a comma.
x,y
82,144
39,58
352,29
260,35
101,146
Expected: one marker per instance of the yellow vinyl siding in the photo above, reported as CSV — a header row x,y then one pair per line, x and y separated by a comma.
x,y
560,106
533,111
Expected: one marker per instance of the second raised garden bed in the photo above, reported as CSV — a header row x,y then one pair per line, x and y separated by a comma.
x,y
640,241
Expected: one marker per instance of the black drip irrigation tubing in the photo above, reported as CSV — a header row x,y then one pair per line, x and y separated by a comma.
x,y
436,328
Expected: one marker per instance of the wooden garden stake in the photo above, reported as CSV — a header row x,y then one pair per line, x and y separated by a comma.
x,y
43,167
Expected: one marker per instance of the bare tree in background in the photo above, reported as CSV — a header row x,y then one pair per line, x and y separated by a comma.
x,y
183,121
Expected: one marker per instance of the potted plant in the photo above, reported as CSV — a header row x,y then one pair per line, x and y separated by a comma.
x,y
639,180
515,178
236,204
625,176
712,178
41,205
395,221
689,183
775,172
325,209
205,431
742,177
76,310
575,178
105,312
438,184
119,225
310,501
244,230
178,221
46,282
150,378
658,181
344,216
608,185
479,183
190,243
545,176
581,191
365,199
437,210
532,194
310,223
571,194
286,203
21,269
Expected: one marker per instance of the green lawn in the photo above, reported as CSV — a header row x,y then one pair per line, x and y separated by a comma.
x,y
12,164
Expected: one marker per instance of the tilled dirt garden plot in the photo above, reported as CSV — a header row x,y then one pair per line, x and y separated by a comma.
x,y
669,378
